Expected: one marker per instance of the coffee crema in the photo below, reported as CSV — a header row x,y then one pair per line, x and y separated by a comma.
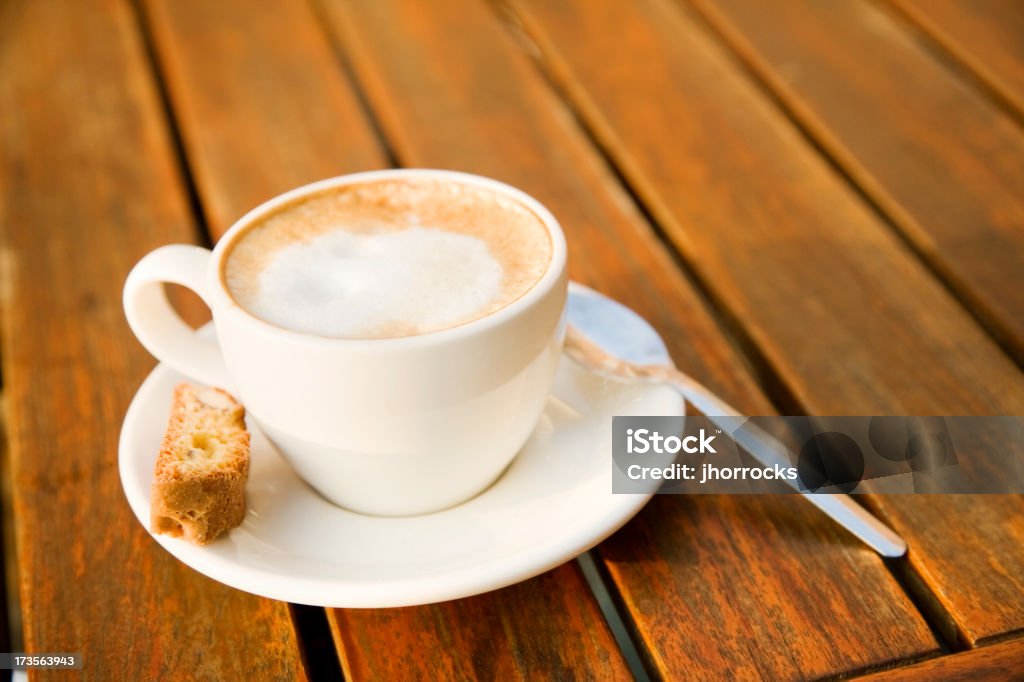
x,y
388,258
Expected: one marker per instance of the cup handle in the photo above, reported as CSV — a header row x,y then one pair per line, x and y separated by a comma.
x,y
156,324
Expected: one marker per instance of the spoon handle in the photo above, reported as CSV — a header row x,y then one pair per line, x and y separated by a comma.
x,y
769,451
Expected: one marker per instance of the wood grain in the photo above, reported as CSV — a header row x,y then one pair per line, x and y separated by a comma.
x,y
996,662
847,320
88,184
715,586
273,111
944,163
985,35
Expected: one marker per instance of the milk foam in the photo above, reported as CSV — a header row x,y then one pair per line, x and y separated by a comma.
x,y
353,285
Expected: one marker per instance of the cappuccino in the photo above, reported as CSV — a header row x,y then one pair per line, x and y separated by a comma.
x,y
387,259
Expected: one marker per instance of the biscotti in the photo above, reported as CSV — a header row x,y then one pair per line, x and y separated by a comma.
x,y
199,483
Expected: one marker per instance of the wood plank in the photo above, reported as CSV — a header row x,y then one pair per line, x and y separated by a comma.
x,y
481,638
996,662
10,617
944,163
985,35
846,319
8,570
273,111
453,90
88,184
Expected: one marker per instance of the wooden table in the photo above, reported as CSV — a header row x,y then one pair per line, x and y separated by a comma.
x,y
820,205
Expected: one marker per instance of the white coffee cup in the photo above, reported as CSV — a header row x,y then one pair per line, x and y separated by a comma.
x,y
393,426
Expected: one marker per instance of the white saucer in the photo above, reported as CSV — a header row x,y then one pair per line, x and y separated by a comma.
x,y
554,502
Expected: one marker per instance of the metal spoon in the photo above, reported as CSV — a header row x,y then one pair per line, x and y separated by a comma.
x,y
609,338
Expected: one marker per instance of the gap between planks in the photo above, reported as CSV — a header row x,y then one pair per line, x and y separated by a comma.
x,y
969,69
202,229
391,154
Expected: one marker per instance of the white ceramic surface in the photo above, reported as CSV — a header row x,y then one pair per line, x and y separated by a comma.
x,y
552,503
393,426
